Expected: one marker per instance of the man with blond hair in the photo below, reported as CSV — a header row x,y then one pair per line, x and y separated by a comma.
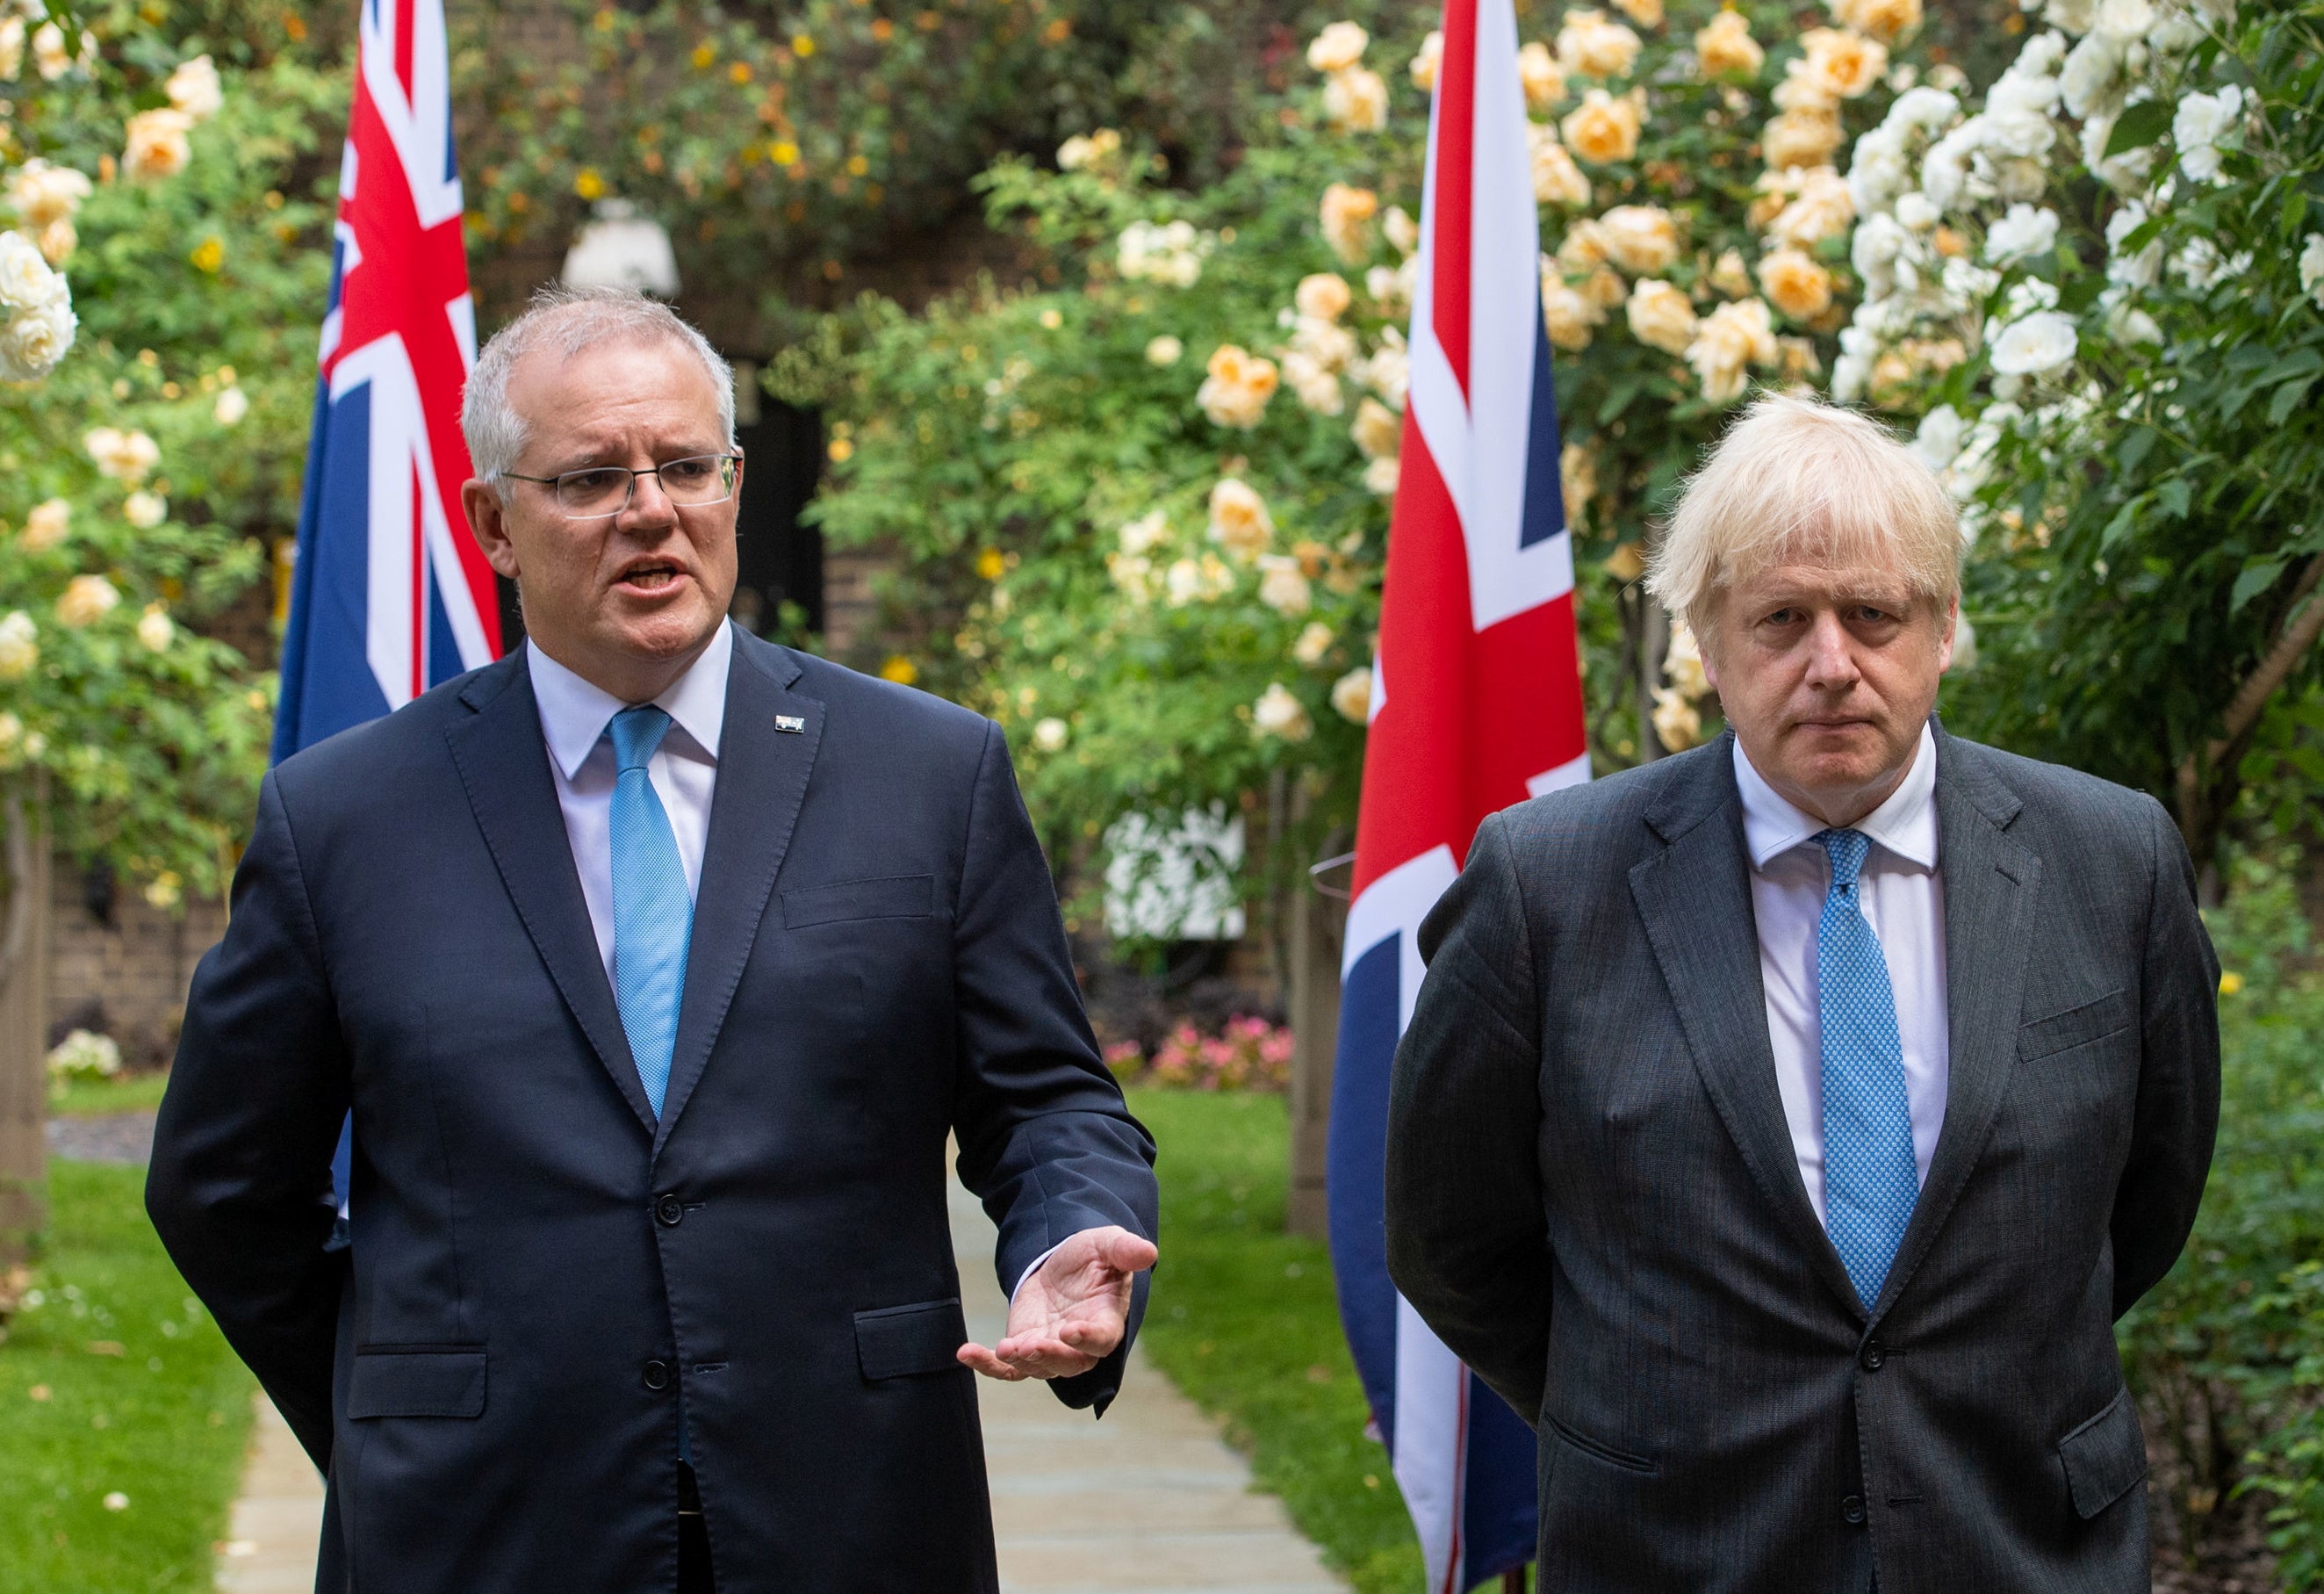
x,y
1782,1126
656,964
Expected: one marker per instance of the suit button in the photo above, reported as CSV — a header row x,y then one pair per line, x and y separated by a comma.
x,y
670,1211
1874,1356
1852,1510
657,1375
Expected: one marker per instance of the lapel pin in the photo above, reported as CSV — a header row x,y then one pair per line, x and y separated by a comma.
x,y
793,723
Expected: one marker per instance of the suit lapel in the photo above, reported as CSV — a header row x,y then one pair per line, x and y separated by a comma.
x,y
762,776
503,764
1989,886
1695,899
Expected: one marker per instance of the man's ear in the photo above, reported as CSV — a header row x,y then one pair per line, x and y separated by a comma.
x,y
1950,622
488,523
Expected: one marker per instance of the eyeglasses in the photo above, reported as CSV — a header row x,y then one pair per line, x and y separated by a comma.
x,y
603,491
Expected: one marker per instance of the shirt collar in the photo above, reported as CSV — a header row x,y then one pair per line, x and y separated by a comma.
x,y
1905,825
575,712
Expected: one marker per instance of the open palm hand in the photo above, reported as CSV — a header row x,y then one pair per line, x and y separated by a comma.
x,y
1072,1313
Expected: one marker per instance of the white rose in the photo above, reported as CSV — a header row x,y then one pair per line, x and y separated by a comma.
x,y
1352,696
2024,231
1915,212
194,89
232,405
12,46
2034,346
2199,125
1050,735
2129,21
1282,587
124,456
20,648
34,340
1355,100
2075,17
1939,439
27,280
85,600
1145,534
49,52
1338,47
1164,350
1277,713
2312,268
1382,474
2092,74
2141,270
144,510
45,525
42,193
154,631
1313,642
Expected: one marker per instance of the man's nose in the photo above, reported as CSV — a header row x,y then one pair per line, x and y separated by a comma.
x,y
650,508
1832,662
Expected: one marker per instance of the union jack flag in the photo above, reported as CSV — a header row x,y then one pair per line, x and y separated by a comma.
x,y
390,595
1476,705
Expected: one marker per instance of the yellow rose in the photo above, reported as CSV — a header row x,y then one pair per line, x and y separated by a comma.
x,y
1642,239
1577,477
1277,713
1583,247
1602,129
20,650
1725,48
1730,277
1803,89
1886,20
1238,387
1848,64
1799,138
1660,315
1543,79
1324,296
1356,101
1647,14
1678,724
1819,206
1338,47
1726,342
85,600
1426,64
1604,289
1379,430
1567,314
1556,179
155,143
1351,695
1240,523
1346,216
1589,46
45,526
1797,359
1795,284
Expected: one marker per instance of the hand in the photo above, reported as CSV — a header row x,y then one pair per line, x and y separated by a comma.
x,y
1071,1314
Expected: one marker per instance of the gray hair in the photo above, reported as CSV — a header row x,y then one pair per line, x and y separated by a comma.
x,y
568,321
1794,477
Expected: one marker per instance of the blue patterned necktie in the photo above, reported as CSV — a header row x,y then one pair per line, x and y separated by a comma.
x,y
1870,1180
653,916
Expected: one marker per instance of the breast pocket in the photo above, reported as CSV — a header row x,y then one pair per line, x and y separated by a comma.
x,y
2078,1026
899,896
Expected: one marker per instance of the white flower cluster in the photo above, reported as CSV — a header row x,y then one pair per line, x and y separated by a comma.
x,y
38,301
1164,252
84,1054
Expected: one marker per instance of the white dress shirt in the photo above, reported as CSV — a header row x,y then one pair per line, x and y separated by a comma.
x,y
574,715
1902,895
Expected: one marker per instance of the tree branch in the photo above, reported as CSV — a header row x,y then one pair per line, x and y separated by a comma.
x,y
2304,621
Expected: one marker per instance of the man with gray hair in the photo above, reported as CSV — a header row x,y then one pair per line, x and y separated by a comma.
x,y
1782,1126
656,964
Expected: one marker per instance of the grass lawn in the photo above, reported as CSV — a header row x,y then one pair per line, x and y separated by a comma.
x,y
1245,1321
128,1093
117,1384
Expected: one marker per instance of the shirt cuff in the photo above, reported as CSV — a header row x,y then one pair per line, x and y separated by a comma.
x,y
1034,1266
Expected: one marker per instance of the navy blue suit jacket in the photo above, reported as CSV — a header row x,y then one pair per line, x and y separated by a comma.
x,y
490,1372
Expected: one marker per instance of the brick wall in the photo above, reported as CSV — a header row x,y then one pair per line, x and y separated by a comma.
x,y
127,977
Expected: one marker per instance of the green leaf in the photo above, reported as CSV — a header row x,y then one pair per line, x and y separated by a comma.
x,y
2174,495
2136,446
2255,580
2139,127
2287,399
2300,362
2119,526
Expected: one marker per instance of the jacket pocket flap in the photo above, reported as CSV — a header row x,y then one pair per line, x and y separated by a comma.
x,y
896,1341
904,896
417,1384
2104,1458
2076,1027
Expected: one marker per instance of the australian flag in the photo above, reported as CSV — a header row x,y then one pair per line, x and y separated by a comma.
x,y
390,594
1475,704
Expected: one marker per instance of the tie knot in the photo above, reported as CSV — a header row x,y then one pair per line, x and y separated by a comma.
x,y
636,733
1847,850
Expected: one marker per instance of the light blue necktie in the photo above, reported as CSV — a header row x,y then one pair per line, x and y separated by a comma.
x,y
1870,1180
653,916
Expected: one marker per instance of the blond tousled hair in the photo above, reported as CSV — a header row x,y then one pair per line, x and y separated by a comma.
x,y
1797,479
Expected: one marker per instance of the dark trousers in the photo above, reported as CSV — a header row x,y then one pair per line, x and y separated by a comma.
x,y
693,1538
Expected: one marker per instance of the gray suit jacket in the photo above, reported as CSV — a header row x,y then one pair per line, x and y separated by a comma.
x,y
1592,1195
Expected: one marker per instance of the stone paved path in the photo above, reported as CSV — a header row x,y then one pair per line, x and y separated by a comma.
x,y
1148,1501
107,1138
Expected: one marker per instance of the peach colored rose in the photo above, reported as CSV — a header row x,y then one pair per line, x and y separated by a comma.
x,y
1799,138
1347,215
1338,47
1603,129
1589,46
1642,239
1544,78
1324,295
1848,64
1795,284
156,143
1570,316
1556,179
1819,206
1886,20
1725,48
1660,315
1240,523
